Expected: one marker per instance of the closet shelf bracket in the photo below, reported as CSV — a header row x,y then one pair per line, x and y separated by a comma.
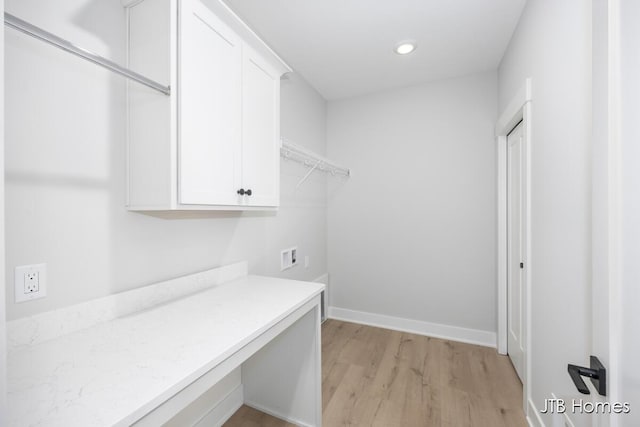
x,y
308,174
40,34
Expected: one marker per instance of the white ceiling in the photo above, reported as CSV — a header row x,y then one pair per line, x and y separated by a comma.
x,y
345,47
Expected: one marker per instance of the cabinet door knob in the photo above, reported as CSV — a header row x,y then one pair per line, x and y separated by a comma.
x,y
248,192
241,191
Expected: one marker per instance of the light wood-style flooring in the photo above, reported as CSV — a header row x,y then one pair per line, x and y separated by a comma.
x,y
378,377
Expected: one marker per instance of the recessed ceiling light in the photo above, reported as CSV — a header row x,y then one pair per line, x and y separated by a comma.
x,y
405,47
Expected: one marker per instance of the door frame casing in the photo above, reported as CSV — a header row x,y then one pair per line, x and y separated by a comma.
x,y
518,109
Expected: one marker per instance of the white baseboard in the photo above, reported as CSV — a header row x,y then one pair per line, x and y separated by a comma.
x,y
223,410
533,415
277,415
453,333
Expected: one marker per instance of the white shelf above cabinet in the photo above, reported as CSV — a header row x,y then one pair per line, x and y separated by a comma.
x,y
214,143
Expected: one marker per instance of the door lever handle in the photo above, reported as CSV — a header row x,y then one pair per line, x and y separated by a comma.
x,y
596,372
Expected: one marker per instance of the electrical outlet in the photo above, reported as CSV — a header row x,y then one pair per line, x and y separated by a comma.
x,y
30,282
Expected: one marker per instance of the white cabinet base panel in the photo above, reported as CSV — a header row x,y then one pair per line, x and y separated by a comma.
x,y
286,390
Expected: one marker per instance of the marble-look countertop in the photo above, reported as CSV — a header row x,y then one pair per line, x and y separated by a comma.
x,y
117,371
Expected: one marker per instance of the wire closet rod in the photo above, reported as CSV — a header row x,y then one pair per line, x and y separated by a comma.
x,y
40,34
292,151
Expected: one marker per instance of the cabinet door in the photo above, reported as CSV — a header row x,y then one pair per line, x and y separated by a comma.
x,y
260,130
210,72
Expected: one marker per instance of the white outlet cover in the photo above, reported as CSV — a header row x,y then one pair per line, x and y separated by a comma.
x,y
22,273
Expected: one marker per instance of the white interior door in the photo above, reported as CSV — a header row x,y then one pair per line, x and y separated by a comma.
x,y
616,202
515,249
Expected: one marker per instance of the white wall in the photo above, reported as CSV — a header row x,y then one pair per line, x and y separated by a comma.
x,y
65,172
412,232
552,45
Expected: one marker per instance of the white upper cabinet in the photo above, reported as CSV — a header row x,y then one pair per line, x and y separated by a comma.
x,y
214,143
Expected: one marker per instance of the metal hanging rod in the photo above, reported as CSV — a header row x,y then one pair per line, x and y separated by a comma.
x,y
39,33
292,151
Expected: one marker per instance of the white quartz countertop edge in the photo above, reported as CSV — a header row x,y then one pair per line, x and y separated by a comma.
x,y
211,365
251,304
